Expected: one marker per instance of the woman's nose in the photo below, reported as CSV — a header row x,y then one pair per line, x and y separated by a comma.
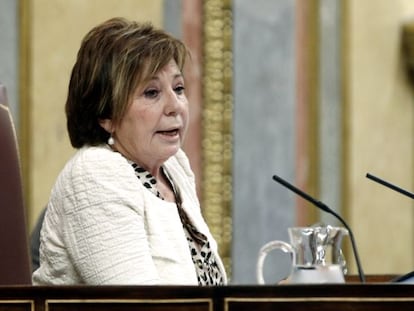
x,y
174,104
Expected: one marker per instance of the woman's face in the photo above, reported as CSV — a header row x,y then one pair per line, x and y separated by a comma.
x,y
155,123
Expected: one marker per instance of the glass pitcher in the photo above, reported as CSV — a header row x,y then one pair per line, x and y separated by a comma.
x,y
316,255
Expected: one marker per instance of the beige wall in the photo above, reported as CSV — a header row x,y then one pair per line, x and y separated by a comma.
x,y
380,130
55,29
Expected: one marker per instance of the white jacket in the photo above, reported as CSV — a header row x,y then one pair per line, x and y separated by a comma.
x,y
102,226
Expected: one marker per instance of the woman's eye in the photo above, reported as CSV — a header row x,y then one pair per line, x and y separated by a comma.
x,y
179,90
152,93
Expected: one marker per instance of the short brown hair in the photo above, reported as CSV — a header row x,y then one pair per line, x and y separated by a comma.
x,y
114,58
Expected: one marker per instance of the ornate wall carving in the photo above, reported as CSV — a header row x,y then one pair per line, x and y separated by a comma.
x,y
217,123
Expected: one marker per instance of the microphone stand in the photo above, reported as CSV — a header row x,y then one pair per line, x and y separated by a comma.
x,y
325,208
408,276
391,186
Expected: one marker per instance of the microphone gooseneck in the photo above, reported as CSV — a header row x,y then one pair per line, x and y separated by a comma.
x,y
325,208
391,186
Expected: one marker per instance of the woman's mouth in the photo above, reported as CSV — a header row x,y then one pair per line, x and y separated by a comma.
x,y
172,132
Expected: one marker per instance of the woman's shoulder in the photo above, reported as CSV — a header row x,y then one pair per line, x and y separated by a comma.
x,y
91,163
97,158
97,172
93,153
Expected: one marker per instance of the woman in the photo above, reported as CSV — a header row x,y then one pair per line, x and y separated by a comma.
x,y
124,209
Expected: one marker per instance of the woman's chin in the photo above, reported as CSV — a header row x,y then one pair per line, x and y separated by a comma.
x,y
171,151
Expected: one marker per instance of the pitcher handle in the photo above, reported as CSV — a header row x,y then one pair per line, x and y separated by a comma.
x,y
268,247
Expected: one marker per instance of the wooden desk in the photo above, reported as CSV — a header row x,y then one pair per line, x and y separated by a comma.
x,y
352,296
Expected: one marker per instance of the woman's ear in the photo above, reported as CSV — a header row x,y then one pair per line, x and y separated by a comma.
x,y
106,124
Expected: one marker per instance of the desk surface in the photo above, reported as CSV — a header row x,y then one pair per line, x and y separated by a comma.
x,y
350,296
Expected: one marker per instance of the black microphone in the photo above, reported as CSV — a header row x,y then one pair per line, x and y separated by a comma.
x,y
325,208
409,277
391,186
